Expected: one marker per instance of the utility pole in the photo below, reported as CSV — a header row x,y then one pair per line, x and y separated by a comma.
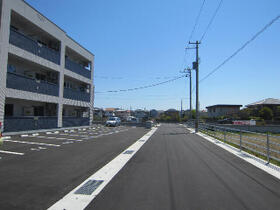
x,y
196,67
190,76
181,108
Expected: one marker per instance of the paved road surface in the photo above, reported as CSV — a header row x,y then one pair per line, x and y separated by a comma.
x,y
178,170
174,170
40,177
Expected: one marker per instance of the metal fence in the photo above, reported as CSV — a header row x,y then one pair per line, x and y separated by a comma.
x,y
265,144
32,46
12,124
77,68
20,82
76,95
75,121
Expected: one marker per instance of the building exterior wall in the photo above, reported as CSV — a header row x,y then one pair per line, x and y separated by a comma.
x,y
22,8
221,111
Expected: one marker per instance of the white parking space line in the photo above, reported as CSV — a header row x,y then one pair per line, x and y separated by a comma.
x,y
34,143
77,199
12,153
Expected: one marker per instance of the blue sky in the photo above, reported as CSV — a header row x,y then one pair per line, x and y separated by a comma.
x,y
138,43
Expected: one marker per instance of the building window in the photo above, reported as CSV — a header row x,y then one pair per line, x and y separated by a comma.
x,y
38,111
9,110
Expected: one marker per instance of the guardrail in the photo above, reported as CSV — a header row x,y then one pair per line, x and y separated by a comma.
x,y
264,144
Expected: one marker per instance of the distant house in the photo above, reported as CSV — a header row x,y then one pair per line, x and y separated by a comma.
x,y
140,114
171,112
123,114
222,110
110,112
98,112
272,103
154,113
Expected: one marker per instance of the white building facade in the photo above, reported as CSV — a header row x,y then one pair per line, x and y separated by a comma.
x,y
46,78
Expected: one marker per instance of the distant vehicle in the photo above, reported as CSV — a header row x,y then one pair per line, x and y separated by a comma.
x,y
132,119
113,121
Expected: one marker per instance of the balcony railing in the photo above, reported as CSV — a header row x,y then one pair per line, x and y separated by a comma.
x,y
75,121
77,68
12,124
32,46
19,82
76,95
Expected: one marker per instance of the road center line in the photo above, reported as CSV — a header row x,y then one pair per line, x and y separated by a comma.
x,y
76,199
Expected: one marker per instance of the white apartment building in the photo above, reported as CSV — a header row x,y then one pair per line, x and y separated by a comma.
x,y
46,78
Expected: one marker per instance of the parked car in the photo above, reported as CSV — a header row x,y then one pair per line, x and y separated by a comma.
x,y
113,121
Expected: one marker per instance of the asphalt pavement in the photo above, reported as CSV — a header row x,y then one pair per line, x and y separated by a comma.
x,y
38,170
173,170
179,170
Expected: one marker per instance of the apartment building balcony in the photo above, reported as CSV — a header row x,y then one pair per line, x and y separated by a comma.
x,y
75,121
13,124
78,95
23,115
24,42
77,68
21,82
75,116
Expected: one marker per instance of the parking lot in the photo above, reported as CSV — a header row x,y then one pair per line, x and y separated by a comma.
x,y
20,145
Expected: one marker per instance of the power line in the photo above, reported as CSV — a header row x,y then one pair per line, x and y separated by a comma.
x,y
241,48
194,27
122,78
142,87
196,21
211,20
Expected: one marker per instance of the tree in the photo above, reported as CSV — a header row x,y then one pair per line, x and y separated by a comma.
x,y
245,114
266,113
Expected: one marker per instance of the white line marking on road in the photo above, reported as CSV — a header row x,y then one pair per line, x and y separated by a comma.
x,y
6,137
35,143
73,201
74,140
259,163
35,134
12,153
24,135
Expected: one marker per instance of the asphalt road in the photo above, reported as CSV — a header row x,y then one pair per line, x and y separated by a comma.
x,y
178,170
44,174
173,170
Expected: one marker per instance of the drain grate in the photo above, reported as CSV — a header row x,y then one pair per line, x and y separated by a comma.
x,y
128,152
89,187
142,140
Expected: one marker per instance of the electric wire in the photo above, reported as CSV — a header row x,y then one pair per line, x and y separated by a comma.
x,y
241,48
211,20
196,20
142,87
